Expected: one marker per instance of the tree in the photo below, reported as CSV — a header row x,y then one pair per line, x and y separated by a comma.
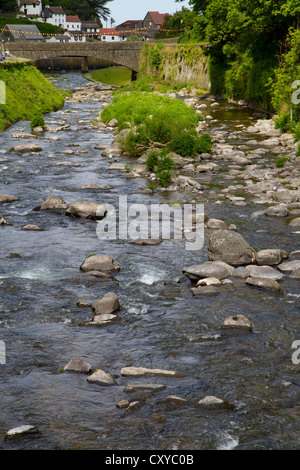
x,y
85,9
8,6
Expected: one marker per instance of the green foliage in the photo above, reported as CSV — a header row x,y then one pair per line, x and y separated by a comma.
x,y
280,162
298,151
85,9
152,159
189,144
44,28
28,93
37,121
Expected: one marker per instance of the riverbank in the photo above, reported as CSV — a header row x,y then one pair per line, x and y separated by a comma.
x,y
27,93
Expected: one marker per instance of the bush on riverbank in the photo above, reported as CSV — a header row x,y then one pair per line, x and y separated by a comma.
x,y
154,120
28,93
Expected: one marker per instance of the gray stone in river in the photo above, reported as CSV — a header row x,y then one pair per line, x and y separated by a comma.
x,y
103,319
20,431
217,269
289,266
230,247
109,303
99,263
101,377
264,283
205,290
237,322
32,227
86,210
142,371
270,257
277,211
295,222
5,198
266,272
52,202
214,403
76,364
142,386
26,148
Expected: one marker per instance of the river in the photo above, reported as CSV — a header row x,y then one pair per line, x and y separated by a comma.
x,y
161,324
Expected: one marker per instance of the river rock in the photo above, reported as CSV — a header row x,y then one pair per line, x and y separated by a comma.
x,y
217,269
100,263
205,290
270,257
26,148
20,431
216,224
101,377
122,404
32,227
175,401
289,266
141,387
277,211
76,364
230,247
82,303
214,403
295,222
86,210
52,202
4,198
295,274
147,241
264,283
103,319
209,281
142,371
109,303
264,272
237,322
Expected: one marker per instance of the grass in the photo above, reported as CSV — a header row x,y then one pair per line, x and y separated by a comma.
x,y
28,94
118,75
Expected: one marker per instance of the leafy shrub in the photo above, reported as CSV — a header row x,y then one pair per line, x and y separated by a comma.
x,y
37,121
189,144
165,178
204,143
282,122
152,159
298,151
162,164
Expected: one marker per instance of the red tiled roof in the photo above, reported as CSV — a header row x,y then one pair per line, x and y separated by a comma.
x,y
73,19
110,31
56,10
157,18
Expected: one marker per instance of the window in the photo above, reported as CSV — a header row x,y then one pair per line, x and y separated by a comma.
x,y
103,37
113,38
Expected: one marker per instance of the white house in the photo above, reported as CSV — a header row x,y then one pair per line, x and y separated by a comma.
x,y
73,23
31,7
55,16
109,35
75,37
91,29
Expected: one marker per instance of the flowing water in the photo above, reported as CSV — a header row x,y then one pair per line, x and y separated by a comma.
x,y
161,324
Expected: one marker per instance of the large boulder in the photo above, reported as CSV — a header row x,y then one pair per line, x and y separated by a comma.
x,y
4,198
270,257
99,263
109,303
26,148
86,210
230,247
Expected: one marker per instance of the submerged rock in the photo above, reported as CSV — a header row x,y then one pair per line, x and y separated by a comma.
x,y
52,202
142,371
217,269
237,322
25,429
5,198
277,211
264,272
205,290
230,247
214,403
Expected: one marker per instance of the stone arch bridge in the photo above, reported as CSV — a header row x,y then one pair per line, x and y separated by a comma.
x,y
120,53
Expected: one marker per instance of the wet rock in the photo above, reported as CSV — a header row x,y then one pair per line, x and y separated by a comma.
x,y
52,202
142,371
176,402
32,227
122,404
148,241
113,122
230,247
26,148
117,166
264,272
86,210
109,303
240,272
277,211
5,198
141,386
103,319
206,290
270,257
99,263
295,222
20,431
96,186
133,406
217,269
4,222
237,322
216,224
76,364
101,377
264,283
214,403
209,281
295,274
97,274
289,266
83,303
